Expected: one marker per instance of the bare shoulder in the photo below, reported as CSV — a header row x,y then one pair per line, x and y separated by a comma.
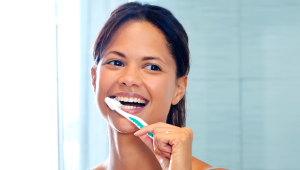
x,y
196,165
102,166
200,165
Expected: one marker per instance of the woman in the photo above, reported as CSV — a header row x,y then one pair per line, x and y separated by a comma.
x,y
142,59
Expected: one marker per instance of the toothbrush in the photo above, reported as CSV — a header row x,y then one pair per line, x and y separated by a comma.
x,y
114,104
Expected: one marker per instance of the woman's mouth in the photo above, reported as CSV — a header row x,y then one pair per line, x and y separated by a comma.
x,y
132,104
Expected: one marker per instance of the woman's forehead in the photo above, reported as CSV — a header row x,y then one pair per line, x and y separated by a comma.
x,y
139,38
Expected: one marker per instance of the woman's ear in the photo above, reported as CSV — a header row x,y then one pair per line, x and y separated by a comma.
x,y
93,74
180,89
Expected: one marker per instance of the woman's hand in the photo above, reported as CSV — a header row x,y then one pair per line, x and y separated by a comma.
x,y
172,145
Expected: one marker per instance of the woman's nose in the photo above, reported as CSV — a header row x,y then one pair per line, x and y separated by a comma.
x,y
130,77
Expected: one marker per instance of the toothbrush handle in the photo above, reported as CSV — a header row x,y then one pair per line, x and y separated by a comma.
x,y
140,124
150,135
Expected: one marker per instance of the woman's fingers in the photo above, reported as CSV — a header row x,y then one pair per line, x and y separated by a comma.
x,y
162,141
161,147
156,128
165,147
147,140
169,143
159,143
163,133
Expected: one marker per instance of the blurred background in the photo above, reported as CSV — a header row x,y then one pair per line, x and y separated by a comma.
x,y
243,89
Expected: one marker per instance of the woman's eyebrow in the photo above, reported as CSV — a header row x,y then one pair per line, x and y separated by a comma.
x,y
153,58
117,53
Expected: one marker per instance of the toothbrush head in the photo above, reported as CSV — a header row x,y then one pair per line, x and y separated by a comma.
x,y
113,104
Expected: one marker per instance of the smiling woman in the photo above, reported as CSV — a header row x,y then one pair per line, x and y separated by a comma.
x,y
142,59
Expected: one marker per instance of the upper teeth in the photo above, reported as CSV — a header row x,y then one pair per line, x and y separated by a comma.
x,y
130,99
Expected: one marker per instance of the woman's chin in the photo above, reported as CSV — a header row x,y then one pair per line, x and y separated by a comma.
x,y
123,125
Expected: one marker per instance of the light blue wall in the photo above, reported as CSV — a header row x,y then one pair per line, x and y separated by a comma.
x,y
243,94
244,86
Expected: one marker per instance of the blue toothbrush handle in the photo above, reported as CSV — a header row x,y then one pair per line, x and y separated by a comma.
x,y
150,135
140,125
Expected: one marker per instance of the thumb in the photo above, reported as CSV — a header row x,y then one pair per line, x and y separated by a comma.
x,y
147,140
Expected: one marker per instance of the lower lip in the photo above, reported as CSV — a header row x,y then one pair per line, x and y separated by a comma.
x,y
133,111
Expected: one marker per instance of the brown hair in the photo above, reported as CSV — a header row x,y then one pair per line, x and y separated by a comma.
x,y
175,35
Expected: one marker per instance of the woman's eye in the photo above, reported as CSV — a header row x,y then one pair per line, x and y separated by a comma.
x,y
116,63
153,67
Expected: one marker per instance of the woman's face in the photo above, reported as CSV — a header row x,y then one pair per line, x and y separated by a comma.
x,y
139,71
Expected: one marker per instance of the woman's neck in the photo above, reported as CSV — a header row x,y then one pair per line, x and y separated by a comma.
x,y
127,151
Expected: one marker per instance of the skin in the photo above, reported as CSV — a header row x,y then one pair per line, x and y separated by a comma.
x,y
127,66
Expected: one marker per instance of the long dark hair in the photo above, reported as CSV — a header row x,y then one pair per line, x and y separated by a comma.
x,y
175,35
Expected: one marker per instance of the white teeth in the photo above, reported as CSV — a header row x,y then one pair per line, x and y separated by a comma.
x,y
130,99
129,107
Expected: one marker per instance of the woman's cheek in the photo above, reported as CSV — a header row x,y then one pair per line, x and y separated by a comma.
x,y
102,89
161,91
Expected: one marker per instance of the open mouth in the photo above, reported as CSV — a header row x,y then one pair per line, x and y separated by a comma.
x,y
130,103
